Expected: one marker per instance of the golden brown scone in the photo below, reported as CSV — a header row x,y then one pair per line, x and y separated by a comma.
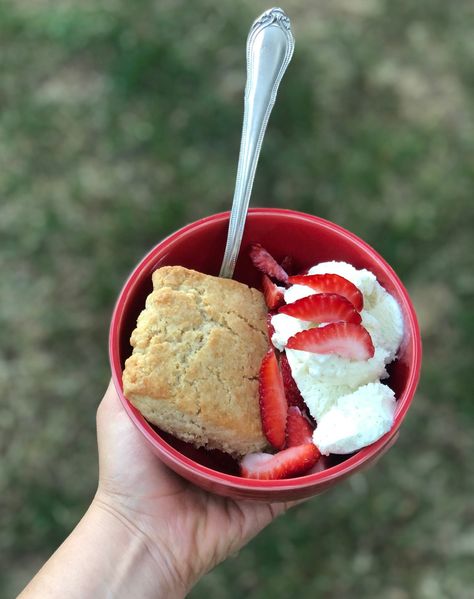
x,y
196,355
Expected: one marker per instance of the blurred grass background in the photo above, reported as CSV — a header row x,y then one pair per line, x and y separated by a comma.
x,y
120,122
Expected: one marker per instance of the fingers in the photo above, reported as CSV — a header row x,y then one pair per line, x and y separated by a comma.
x,y
278,509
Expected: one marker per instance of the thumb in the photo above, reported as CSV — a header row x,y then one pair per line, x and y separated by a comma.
x,y
120,443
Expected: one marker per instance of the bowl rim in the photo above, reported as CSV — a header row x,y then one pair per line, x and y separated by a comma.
x,y
354,462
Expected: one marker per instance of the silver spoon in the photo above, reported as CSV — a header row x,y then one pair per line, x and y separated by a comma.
x,y
270,46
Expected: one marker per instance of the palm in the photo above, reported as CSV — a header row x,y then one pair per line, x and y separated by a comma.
x,y
201,528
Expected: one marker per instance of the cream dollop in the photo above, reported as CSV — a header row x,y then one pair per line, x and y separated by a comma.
x,y
330,384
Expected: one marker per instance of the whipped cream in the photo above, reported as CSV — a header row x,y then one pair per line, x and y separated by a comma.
x,y
356,420
350,405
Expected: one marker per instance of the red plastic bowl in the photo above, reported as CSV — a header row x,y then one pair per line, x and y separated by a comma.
x,y
309,240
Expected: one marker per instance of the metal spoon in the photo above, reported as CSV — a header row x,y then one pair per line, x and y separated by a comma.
x,y
270,46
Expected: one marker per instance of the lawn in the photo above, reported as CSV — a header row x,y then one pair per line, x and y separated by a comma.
x,y
120,122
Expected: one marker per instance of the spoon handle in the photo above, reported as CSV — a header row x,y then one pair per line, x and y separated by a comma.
x,y
270,46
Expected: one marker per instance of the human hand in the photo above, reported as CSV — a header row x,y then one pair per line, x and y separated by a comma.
x,y
147,533
186,531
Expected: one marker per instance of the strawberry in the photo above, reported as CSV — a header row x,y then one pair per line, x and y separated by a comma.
x,y
273,406
299,430
266,263
288,264
284,464
345,339
273,295
293,395
330,283
270,327
323,307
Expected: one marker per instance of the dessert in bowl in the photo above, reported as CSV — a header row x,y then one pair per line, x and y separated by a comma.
x,y
309,240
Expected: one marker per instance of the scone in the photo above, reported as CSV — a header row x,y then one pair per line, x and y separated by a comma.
x,y
197,350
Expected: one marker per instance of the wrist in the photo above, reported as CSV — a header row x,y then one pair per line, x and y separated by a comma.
x,y
139,566
106,556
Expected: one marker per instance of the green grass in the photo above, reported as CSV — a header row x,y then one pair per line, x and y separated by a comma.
x,y
120,122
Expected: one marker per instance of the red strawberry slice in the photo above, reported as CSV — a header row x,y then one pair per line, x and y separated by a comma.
x,y
345,339
270,327
266,263
273,406
273,295
288,264
323,307
330,283
293,395
284,464
299,429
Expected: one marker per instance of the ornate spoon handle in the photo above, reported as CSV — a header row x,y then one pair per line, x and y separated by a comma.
x,y
270,46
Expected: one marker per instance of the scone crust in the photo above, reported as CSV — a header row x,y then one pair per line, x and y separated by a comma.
x,y
197,350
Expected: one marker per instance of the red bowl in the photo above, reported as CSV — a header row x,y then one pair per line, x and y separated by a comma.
x,y
308,240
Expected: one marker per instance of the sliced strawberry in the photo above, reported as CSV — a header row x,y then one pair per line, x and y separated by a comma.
x,y
270,327
345,339
273,406
273,295
299,430
323,307
293,395
330,283
288,264
284,464
266,263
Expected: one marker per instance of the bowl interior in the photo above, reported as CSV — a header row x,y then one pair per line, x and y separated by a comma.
x,y
308,240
